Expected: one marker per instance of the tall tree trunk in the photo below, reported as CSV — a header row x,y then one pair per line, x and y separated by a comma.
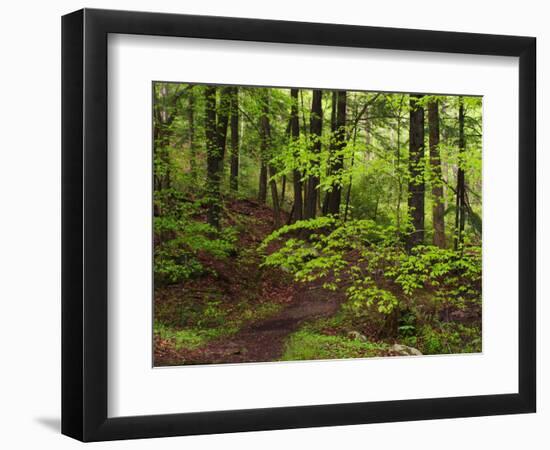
x,y
399,177
191,120
337,158
265,142
416,172
296,175
460,213
274,197
262,187
438,209
234,169
316,127
283,191
334,102
216,134
367,137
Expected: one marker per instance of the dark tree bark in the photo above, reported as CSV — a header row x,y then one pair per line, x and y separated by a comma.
x,y
334,102
262,188
216,133
367,138
460,212
438,209
191,119
416,172
283,191
315,126
296,175
334,196
265,142
234,169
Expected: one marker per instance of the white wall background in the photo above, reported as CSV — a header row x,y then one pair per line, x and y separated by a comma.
x,y
30,230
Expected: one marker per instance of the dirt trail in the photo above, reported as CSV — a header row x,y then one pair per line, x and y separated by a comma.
x,y
264,340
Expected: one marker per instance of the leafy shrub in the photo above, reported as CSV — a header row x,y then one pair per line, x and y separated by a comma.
x,y
369,263
454,277
180,239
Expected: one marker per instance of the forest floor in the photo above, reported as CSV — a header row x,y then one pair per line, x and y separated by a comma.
x,y
239,312
264,339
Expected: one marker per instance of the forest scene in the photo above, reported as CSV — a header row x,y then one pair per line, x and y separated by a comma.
x,y
313,224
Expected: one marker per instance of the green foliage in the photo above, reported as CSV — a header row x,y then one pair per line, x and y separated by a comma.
x,y
307,345
453,277
449,337
363,294
339,254
368,261
181,239
190,338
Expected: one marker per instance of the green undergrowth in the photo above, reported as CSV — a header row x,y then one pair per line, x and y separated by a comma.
x,y
447,338
190,338
329,338
200,325
308,345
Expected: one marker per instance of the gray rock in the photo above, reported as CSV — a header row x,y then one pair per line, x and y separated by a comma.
x,y
404,350
356,336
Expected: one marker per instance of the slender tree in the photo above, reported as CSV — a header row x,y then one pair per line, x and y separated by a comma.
x,y
438,208
262,184
352,163
336,161
316,127
416,172
216,122
460,209
191,120
265,139
234,125
298,207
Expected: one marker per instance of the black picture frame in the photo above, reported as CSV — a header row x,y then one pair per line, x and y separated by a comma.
x,y
84,224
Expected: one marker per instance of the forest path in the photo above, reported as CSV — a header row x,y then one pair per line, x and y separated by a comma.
x,y
264,340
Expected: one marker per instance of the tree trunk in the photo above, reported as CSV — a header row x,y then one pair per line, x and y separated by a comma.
x,y
192,149
265,142
262,188
274,197
438,209
316,126
337,158
234,169
334,102
216,133
283,192
367,132
296,175
416,173
460,213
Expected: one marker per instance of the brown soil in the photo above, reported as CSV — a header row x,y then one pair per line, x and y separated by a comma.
x,y
264,340
259,341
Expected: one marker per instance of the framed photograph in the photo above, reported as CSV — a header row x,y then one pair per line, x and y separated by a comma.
x,y
273,225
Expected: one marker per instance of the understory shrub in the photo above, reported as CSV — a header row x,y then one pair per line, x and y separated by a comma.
x,y
181,238
369,263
